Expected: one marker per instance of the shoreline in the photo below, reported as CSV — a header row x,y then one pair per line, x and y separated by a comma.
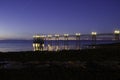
x,y
88,64
99,53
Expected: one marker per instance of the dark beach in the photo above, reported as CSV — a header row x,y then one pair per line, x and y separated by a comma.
x,y
101,63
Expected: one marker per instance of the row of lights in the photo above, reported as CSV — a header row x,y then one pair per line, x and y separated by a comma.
x,y
56,35
116,32
66,35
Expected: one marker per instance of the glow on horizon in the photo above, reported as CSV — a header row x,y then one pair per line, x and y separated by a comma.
x,y
21,19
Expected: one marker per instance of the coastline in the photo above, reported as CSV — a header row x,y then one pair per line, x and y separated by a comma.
x,y
93,64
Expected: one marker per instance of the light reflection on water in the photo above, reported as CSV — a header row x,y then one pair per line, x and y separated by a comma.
x,y
69,45
27,45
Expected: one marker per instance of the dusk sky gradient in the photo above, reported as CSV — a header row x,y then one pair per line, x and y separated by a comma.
x,y
24,18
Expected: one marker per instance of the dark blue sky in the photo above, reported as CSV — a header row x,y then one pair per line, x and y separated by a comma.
x,y
23,18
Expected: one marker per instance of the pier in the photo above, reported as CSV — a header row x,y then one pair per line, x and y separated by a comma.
x,y
56,42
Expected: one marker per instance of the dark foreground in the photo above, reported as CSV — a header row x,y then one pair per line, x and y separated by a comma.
x,y
89,64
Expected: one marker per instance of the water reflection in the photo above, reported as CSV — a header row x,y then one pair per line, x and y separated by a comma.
x,y
48,47
65,45
38,47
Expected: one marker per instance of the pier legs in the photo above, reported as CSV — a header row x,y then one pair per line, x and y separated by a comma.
x,y
78,41
66,45
94,34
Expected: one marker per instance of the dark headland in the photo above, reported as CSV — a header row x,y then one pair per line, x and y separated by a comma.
x,y
100,63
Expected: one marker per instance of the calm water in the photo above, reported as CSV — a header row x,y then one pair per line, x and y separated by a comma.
x,y
26,45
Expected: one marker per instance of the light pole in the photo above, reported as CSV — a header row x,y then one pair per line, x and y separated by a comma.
x,y
43,38
57,39
49,38
49,42
77,40
66,41
116,33
94,34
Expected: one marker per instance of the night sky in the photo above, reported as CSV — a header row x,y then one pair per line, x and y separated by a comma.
x,y
24,18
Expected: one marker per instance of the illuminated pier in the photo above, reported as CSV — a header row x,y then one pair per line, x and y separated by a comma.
x,y
38,43
57,42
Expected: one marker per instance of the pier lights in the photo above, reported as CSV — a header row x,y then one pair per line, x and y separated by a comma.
x,y
57,43
93,35
38,43
57,36
43,37
66,41
116,33
50,36
36,36
50,40
77,40
66,36
77,36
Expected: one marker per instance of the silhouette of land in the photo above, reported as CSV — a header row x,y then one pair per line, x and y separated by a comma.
x,y
100,63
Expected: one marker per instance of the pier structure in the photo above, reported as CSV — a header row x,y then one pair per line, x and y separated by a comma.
x,y
66,41
77,40
49,48
55,42
38,42
117,34
93,34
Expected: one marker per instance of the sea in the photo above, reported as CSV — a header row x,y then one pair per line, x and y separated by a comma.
x,y
27,45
